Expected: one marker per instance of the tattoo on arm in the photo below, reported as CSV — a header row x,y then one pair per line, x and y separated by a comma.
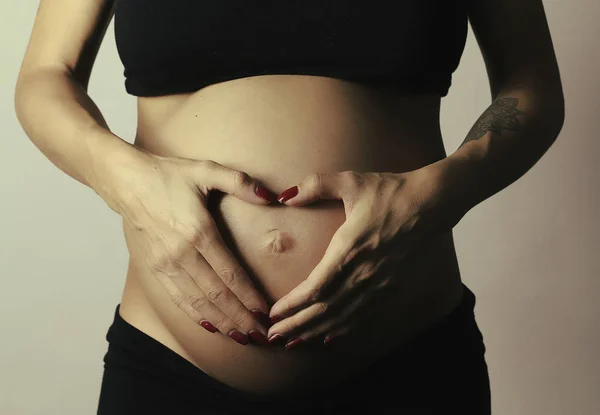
x,y
500,115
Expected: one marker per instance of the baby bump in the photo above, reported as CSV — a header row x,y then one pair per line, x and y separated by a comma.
x,y
278,245
319,125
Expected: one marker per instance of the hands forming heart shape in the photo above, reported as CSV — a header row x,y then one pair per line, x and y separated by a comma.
x,y
387,215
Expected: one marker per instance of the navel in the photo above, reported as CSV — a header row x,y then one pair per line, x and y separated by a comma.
x,y
278,242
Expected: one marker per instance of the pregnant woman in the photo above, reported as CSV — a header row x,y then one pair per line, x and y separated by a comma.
x,y
287,202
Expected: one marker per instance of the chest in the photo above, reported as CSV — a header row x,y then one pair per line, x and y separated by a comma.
x,y
307,32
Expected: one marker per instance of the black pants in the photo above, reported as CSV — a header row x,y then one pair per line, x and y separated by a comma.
x,y
441,371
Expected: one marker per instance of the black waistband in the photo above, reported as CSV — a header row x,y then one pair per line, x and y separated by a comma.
x,y
133,349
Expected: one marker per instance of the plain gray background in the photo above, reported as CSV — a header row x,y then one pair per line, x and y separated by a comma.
x,y
530,253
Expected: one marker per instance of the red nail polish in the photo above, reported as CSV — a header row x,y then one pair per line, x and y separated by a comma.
x,y
276,339
258,338
261,317
293,344
238,337
264,193
208,326
275,319
287,194
329,339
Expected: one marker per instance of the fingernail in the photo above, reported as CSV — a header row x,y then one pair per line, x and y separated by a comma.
x,y
208,326
275,319
329,339
258,338
276,339
264,193
238,337
287,194
293,344
261,317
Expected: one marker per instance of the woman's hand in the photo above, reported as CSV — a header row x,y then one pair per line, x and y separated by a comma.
x,y
163,204
387,215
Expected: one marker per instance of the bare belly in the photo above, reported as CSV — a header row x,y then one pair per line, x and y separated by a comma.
x,y
279,129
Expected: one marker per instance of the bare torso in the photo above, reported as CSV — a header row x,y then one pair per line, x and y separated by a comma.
x,y
278,129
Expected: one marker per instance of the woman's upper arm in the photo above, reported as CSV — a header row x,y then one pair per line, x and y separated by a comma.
x,y
515,42
66,36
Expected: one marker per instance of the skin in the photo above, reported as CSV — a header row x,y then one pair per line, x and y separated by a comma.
x,y
500,116
205,247
279,244
510,136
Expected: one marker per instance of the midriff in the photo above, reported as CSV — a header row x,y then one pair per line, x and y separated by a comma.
x,y
279,129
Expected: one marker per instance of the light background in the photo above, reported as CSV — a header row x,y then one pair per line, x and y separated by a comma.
x,y
530,253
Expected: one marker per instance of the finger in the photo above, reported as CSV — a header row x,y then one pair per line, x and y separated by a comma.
x,y
189,303
216,287
323,315
325,277
339,323
317,186
211,246
196,299
211,175
315,322
167,279
297,322
355,314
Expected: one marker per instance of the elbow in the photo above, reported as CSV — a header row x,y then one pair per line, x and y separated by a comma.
x,y
541,97
554,102
31,85
556,117
19,99
550,109
23,90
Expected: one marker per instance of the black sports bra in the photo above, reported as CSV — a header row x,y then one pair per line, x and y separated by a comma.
x,y
177,46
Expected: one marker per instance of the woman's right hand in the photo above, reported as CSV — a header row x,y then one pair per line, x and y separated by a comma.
x,y
163,204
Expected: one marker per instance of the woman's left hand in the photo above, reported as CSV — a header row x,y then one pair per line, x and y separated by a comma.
x,y
387,215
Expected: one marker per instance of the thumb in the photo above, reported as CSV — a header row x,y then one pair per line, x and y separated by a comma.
x,y
214,176
318,186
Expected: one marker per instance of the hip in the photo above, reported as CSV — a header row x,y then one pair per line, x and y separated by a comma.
x,y
440,370
270,369
278,129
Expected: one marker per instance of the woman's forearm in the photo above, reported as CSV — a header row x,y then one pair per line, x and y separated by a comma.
x,y
61,119
509,137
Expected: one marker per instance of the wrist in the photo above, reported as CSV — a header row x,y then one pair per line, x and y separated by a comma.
x,y
114,165
458,183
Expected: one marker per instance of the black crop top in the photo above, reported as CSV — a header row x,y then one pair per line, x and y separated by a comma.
x,y
177,46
